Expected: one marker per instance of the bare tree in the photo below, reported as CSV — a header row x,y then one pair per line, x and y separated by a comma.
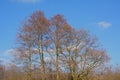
x,y
58,31
40,29
80,54
24,50
32,39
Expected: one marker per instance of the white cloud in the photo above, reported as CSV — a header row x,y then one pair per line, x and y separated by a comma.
x,y
7,56
5,60
10,51
104,24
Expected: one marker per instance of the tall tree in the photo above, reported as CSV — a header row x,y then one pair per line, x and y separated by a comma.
x,y
58,27
40,29
24,49
32,38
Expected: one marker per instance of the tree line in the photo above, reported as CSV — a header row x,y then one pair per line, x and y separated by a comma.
x,y
51,49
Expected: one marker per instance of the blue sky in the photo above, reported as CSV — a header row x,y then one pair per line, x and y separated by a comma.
x,y
100,17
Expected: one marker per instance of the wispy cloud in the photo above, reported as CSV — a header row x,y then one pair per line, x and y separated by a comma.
x,y
104,24
7,55
10,51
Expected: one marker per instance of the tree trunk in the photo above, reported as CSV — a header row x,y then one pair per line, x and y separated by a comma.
x,y
57,67
42,60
